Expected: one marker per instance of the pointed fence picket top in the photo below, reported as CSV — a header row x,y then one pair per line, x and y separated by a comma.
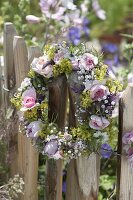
x,y
57,112
124,172
27,155
83,173
9,72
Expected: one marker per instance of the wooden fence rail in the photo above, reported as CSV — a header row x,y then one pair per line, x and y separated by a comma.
x,y
83,173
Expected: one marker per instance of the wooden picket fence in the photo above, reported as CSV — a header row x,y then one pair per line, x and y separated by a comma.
x,y
83,173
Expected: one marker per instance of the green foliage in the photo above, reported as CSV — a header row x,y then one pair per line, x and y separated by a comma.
x,y
64,66
101,72
117,11
82,132
86,100
114,85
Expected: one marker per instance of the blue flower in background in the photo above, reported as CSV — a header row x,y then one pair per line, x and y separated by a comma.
x,y
85,25
110,48
106,150
112,62
74,35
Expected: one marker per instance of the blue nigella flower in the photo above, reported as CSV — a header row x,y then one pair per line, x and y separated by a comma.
x,y
110,48
85,25
74,35
112,62
106,150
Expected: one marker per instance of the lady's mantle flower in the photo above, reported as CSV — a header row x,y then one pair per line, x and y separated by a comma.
x,y
97,92
42,66
25,83
33,128
88,61
28,99
98,123
106,150
127,138
32,19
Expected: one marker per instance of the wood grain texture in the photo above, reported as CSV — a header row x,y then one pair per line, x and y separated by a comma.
x,y
9,72
124,172
57,112
27,155
34,52
83,173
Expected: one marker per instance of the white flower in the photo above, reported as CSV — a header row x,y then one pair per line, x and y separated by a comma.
x,y
25,83
101,135
69,4
38,65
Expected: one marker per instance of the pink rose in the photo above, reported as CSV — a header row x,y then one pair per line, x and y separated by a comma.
x,y
88,61
98,123
28,99
97,92
127,138
29,102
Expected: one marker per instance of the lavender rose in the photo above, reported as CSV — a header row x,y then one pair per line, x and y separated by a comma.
x,y
33,128
51,148
88,61
97,92
98,123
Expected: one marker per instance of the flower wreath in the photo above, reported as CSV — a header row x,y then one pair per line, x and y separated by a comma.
x,y
96,92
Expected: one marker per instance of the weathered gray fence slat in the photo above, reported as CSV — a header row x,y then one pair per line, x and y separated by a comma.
x,y
9,78
8,84
1,83
27,155
57,111
124,172
83,173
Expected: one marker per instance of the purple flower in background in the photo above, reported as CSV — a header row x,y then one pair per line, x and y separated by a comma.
x,y
106,150
112,62
85,25
100,13
52,9
74,35
32,19
110,48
